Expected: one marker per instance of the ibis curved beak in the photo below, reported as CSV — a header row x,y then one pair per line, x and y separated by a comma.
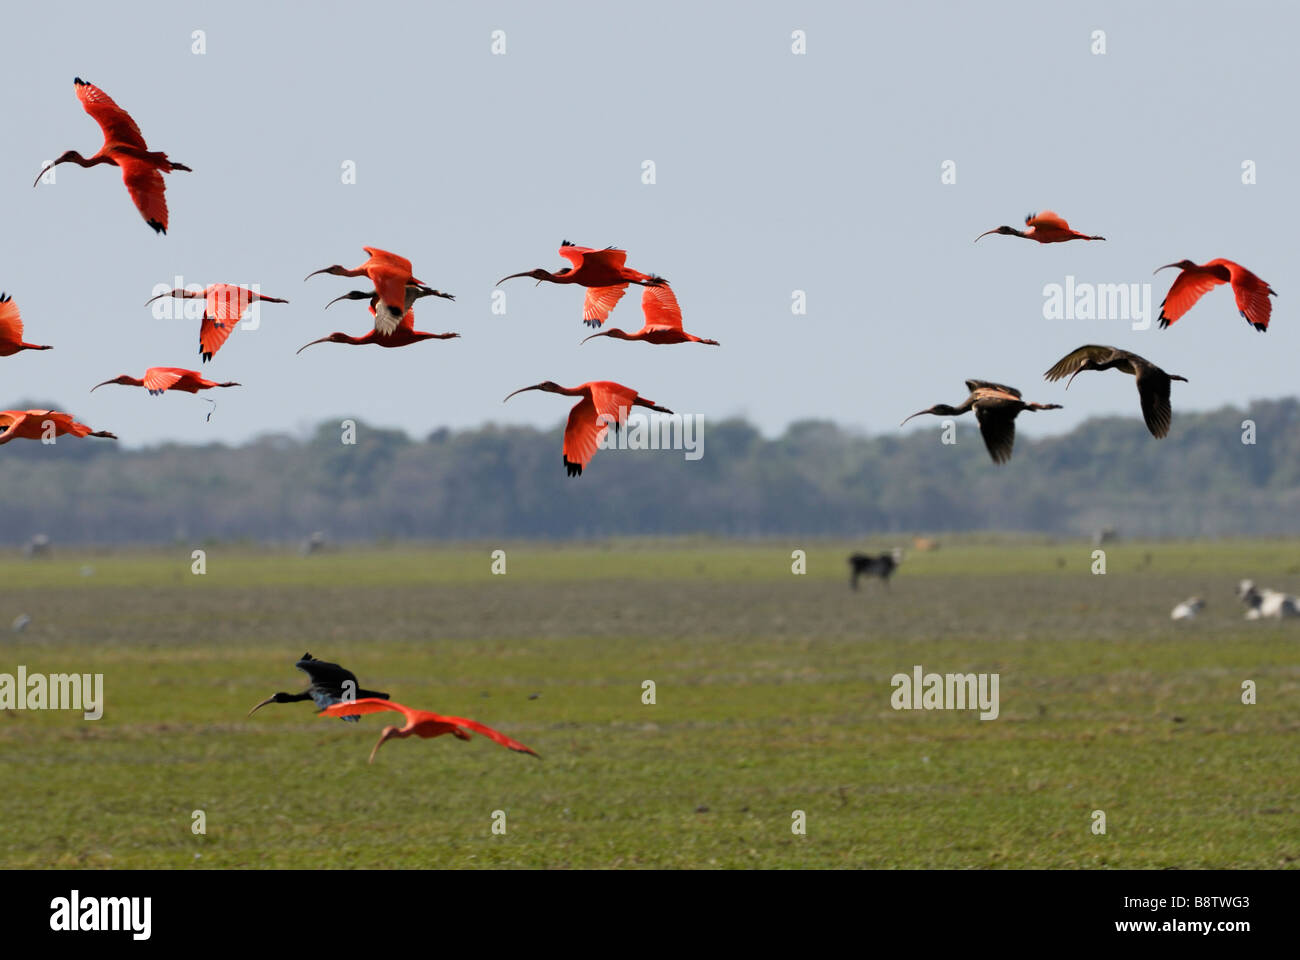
x,y
270,299
1072,376
422,291
985,234
521,390
603,333
158,297
512,276
1165,267
344,296
41,174
270,699
917,414
314,272
312,344
104,384
383,738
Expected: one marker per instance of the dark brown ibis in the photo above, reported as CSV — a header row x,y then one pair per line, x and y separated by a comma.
x,y
996,407
1152,382
330,684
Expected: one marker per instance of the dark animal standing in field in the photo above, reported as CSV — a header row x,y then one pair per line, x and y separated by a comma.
x,y
880,565
327,688
1152,382
996,407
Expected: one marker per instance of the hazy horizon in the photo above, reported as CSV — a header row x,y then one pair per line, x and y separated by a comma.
x,y
305,430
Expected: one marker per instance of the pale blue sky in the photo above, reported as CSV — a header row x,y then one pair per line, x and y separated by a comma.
x,y
775,172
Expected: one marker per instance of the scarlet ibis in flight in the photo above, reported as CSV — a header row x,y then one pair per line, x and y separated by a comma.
x,y
1152,382
391,275
224,307
11,329
603,402
124,147
36,424
1045,227
602,272
159,379
1251,292
330,685
422,723
663,320
996,408
404,335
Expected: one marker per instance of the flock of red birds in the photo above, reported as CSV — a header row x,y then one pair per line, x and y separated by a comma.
x,y
604,274
996,405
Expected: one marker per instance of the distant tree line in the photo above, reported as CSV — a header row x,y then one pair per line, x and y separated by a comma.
x,y
814,479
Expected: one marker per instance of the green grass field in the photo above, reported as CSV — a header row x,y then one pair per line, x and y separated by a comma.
x,y
773,695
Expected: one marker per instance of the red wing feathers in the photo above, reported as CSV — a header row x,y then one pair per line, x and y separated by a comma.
x,y
116,123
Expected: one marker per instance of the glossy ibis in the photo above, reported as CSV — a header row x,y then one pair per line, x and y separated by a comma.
x,y
1152,382
996,408
327,688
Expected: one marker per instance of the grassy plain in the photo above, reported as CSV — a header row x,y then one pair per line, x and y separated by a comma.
x,y
772,689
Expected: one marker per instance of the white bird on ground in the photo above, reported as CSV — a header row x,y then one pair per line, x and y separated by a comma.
x,y
1188,609
1272,604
